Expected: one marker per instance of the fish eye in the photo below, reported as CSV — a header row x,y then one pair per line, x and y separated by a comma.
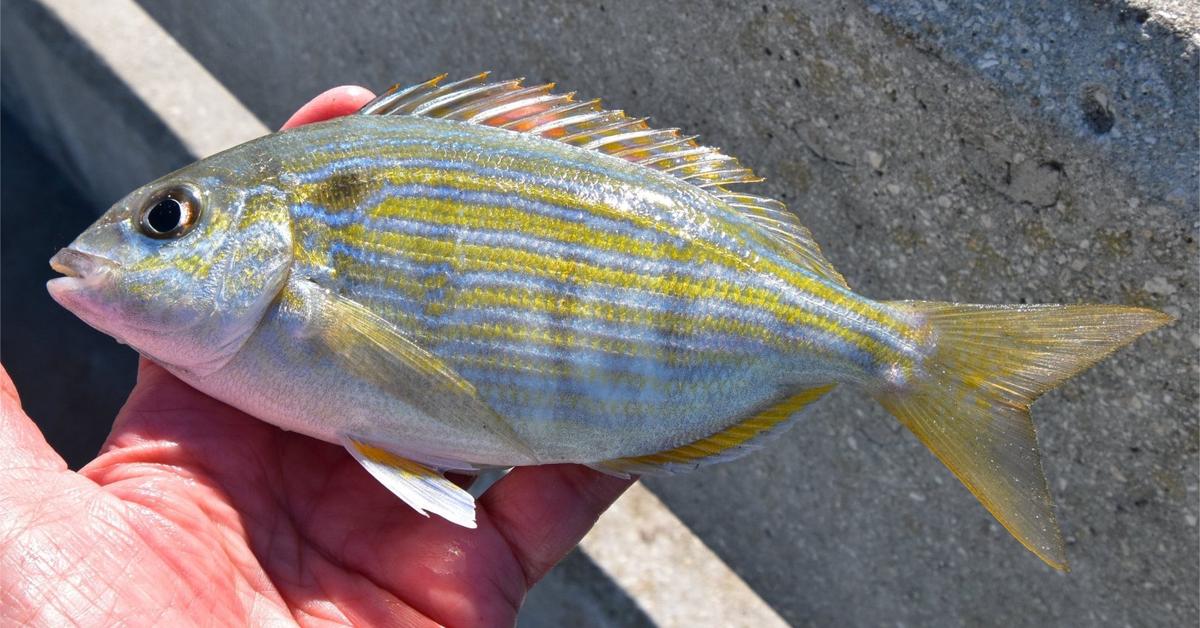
x,y
170,213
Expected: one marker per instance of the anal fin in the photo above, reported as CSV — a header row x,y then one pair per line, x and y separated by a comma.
x,y
422,487
728,444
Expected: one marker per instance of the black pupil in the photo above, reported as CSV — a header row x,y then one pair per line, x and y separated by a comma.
x,y
165,216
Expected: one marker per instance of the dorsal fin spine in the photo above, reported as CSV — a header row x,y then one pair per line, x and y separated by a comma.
x,y
709,172
676,155
385,102
601,119
430,106
620,123
501,99
570,121
711,157
621,137
727,178
499,110
410,106
669,138
552,114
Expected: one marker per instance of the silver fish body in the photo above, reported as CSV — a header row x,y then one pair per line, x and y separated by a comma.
x,y
666,374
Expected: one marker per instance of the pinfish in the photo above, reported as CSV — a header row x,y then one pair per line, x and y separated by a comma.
x,y
482,274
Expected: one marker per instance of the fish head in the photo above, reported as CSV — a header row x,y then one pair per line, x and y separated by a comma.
x,y
184,268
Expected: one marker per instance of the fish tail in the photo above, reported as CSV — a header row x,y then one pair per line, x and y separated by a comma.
x,y
969,401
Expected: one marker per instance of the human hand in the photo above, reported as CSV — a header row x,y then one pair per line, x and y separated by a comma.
x,y
195,512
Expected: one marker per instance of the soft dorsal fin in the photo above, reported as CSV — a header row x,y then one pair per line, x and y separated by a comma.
x,y
784,227
540,111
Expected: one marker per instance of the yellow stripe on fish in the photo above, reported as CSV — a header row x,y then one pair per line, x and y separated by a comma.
x,y
465,180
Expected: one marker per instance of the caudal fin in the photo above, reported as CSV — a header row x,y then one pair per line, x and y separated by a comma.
x,y
971,404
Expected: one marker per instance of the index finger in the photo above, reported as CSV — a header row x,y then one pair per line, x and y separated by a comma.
x,y
332,103
543,512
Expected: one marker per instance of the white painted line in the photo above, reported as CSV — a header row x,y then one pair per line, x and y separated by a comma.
x,y
671,574
197,108
639,543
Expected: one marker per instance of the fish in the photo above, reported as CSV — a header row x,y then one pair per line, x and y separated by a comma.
x,y
477,274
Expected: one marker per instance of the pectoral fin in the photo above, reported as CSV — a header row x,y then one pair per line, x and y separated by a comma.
x,y
375,350
421,487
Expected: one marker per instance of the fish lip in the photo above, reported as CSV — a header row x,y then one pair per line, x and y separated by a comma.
x,y
76,264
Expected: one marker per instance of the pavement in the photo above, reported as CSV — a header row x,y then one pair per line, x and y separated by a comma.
x,y
1044,153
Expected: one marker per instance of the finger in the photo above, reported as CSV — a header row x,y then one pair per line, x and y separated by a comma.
x,y
22,445
332,103
544,511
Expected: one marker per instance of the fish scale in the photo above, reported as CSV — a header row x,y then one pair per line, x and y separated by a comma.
x,y
474,274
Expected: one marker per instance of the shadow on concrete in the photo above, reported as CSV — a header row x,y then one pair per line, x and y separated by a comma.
x,y
577,593
106,147
72,379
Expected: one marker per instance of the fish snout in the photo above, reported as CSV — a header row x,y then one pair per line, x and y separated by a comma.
x,y
76,264
80,270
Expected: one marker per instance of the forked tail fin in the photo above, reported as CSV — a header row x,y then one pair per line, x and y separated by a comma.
x,y
970,405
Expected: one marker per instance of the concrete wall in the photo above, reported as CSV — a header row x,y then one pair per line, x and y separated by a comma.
x,y
1045,152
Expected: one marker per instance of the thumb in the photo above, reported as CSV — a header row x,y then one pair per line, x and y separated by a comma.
x,y
22,445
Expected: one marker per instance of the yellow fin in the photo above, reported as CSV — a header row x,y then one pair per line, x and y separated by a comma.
x,y
728,444
374,349
971,406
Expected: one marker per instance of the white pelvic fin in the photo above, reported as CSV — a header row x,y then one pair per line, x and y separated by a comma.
x,y
423,488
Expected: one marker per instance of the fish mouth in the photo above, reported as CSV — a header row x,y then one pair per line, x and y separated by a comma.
x,y
85,288
80,270
76,264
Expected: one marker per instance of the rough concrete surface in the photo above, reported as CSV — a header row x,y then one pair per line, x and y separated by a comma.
x,y
1035,152
1119,79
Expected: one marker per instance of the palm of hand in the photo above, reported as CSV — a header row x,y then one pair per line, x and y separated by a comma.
x,y
195,509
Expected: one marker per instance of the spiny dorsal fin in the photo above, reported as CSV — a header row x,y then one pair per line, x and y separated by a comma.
x,y
540,111
729,444
782,225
